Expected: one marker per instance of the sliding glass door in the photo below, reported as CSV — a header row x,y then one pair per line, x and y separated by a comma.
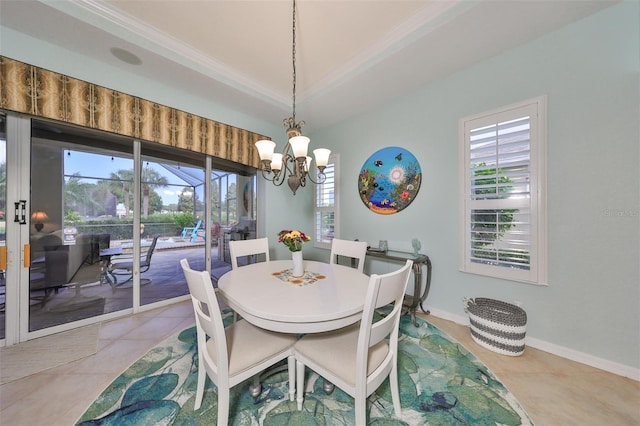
x,y
99,222
173,220
80,187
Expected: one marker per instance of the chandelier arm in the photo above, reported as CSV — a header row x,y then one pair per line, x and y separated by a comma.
x,y
276,179
289,164
320,179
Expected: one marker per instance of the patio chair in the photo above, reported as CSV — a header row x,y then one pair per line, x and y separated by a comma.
x,y
191,232
122,266
359,358
199,235
232,355
353,249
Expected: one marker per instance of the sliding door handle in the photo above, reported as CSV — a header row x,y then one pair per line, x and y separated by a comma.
x,y
27,256
3,258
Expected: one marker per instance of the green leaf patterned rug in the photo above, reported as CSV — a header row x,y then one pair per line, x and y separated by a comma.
x,y
441,383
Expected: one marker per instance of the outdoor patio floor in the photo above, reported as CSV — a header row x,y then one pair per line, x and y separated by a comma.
x,y
165,281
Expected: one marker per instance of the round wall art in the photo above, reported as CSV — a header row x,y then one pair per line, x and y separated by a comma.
x,y
389,180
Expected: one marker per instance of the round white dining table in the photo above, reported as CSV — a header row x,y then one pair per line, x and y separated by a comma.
x,y
258,294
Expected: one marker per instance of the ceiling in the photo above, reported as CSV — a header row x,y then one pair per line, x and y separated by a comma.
x,y
351,55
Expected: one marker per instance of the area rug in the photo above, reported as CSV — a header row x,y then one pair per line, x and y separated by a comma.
x,y
441,383
47,352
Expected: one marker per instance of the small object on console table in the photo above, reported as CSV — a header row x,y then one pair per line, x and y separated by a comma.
x,y
415,243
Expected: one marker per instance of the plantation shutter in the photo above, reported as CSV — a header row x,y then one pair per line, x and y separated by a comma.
x,y
325,211
498,200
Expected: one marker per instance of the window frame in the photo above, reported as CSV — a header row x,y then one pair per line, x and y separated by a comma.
x,y
537,272
335,160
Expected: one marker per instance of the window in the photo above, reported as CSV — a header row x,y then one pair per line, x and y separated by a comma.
x,y
503,203
325,210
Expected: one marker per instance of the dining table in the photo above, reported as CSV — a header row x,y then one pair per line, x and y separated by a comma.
x,y
327,297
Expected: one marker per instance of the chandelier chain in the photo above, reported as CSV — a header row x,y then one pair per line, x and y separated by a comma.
x,y
293,56
293,164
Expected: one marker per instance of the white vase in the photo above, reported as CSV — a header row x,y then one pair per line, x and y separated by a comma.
x,y
298,267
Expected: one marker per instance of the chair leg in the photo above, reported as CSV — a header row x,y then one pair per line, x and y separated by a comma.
x,y
300,367
361,409
223,405
292,376
202,377
255,389
395,392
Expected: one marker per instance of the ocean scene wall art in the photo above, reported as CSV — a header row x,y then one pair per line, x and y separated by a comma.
x,y
389,180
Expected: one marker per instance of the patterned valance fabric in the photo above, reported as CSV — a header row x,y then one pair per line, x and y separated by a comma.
x,y
41,93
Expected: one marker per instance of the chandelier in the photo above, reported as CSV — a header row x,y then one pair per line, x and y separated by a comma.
x,y
293,164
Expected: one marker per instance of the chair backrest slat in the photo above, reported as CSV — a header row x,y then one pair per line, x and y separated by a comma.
x,y
241,248
383,289
152,248
348,248
207,311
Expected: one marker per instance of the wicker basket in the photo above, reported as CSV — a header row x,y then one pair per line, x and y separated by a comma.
x,y
498,326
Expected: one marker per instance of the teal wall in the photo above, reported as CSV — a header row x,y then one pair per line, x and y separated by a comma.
x,y
590,73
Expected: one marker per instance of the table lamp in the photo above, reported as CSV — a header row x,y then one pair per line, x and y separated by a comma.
x,y
37,217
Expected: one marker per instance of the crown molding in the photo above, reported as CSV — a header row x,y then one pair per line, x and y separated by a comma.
x,y
102,15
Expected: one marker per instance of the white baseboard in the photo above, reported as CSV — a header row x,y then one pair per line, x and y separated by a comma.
x,y
561,351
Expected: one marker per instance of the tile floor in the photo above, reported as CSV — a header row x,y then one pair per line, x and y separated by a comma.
x,y
554,391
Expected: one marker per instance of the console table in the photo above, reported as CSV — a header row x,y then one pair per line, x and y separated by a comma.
x,y
411,303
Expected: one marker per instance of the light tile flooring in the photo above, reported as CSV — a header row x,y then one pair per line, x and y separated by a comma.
x,y
554,391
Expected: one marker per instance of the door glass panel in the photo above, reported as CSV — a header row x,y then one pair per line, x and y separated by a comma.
x,y
238,211
80,216
173,221
3,210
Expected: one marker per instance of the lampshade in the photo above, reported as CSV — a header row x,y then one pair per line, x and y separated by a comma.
x,y
299,145
39,216
322,156
276,162
265,149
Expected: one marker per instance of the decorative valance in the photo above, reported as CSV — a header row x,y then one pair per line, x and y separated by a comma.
x,y
41,93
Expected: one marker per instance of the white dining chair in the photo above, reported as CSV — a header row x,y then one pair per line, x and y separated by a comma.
x,y
253,247
353,249
230,356
243,248
359,358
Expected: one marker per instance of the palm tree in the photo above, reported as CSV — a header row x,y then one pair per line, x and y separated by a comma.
x,y
122,187
122,182
77,194
150,180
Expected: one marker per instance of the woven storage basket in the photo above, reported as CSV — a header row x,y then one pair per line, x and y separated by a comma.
x,y
496,325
